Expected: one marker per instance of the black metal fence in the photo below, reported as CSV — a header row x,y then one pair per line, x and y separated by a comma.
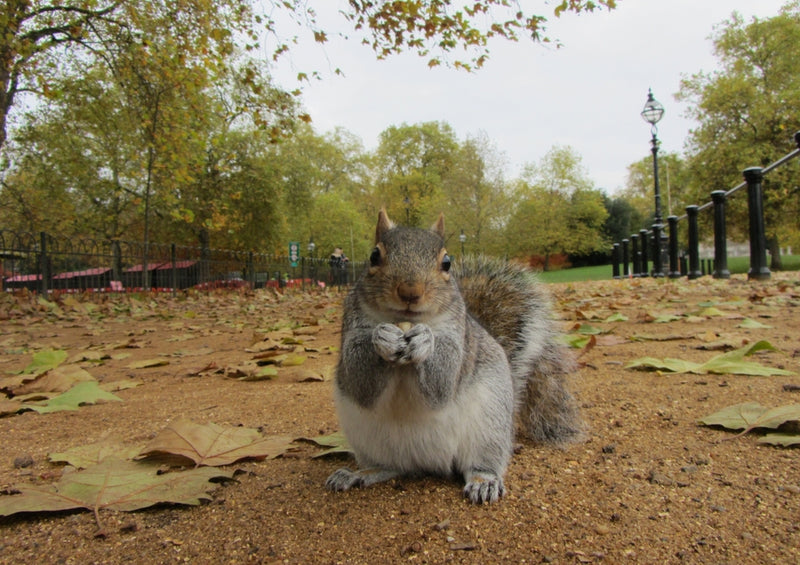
x,y
630,256
41,262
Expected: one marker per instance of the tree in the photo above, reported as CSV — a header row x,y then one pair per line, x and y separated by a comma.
x,y
434,29
84,143
411,165
623,219
558,209
41,37
746,114
38,29
477,194
674,181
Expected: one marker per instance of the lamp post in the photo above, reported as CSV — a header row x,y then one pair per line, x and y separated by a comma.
x,y
652,113
462,238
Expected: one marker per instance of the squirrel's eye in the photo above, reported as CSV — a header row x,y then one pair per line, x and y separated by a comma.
x,y
446,263
375,257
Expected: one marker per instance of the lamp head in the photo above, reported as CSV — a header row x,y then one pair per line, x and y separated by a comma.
x,y
653,111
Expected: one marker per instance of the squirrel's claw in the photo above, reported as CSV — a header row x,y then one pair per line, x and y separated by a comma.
x,y
483,487
343,479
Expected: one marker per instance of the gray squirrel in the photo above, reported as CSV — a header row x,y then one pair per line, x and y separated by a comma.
x,y
440,361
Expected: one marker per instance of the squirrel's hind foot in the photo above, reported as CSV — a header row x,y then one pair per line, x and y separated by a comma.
x,y
483,487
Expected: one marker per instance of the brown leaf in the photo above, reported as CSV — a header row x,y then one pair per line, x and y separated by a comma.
x,y
214,445
60,379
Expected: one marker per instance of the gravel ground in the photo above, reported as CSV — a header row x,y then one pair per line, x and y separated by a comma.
x,y
650,485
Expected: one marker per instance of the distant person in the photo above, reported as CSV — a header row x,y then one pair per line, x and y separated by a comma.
x,y
338,263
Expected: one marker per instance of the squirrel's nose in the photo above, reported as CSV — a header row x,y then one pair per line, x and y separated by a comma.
x,y
409,293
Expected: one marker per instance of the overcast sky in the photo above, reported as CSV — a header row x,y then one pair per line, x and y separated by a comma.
x,y
528,97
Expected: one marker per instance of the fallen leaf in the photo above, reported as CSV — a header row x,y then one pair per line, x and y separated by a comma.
x,y
114,484
576,341
84,456
780,439
586,329
148,363
45,360
751,324
751,415
59,379
668,364
293,360
710,312
261,374
214,445
82,393
731,363
8,407
122,384
335,444
617,317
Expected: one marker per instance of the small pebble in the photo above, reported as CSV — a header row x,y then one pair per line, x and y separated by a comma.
x,y
657,478
23,462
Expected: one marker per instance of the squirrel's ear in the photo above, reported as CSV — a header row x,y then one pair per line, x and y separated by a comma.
x,y
438,227
384,225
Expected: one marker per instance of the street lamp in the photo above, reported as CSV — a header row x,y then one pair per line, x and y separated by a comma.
x,y
652,113
462,238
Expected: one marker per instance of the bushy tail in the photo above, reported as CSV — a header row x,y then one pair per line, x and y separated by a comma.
x,y
515,308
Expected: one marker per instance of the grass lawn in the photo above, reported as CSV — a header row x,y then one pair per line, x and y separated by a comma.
x,y
736,265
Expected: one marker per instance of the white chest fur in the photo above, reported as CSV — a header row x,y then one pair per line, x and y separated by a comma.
x,y
401,432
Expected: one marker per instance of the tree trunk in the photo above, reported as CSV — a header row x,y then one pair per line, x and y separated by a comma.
x,y
773,244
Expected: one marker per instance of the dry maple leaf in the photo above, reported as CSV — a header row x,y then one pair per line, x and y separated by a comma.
x,y
214,445
113,484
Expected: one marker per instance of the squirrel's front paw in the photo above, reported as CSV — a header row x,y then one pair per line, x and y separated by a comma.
x,y
389,342
419,344
483,487
343,479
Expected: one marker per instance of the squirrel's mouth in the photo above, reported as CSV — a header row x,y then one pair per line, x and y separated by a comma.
x,y
408,314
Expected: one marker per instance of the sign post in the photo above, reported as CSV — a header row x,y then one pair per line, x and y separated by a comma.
x,y
294,253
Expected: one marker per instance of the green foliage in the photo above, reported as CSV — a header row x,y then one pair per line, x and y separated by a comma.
x,y
435,29
150,123
411,165
747,116
674,177
557,209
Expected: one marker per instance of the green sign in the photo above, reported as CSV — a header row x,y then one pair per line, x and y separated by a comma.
x,y
294,252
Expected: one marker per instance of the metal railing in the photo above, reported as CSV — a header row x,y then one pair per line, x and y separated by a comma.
x,y
41,262
629,257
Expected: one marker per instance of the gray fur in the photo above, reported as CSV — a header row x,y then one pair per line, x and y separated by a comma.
x,y
441,396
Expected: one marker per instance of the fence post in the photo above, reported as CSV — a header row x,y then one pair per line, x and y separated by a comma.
x,y
758,241
636,257
173,275
44,263
625,271
658,250
251,274
643,242
615,260
674,267
694,242
720,236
